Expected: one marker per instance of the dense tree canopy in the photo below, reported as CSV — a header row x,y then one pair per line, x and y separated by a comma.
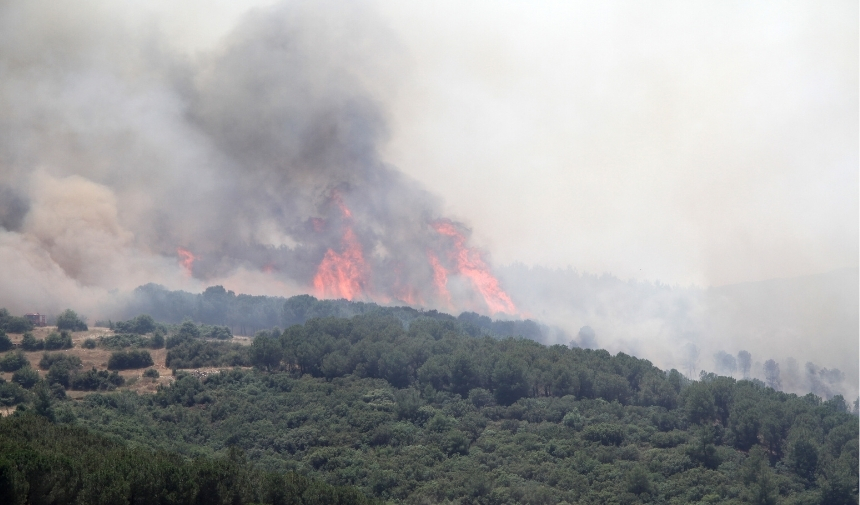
x,y
433,409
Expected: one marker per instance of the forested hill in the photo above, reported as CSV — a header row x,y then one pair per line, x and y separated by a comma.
x,y
429,413
246,314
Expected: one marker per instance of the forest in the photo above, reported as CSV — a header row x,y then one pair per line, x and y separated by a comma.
x,y
403,406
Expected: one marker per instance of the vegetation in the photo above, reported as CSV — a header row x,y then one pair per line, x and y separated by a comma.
x,y
95,380
69,320
430,408
248,314
13,324
199,353
62,340
432,413
26,377
13,361
29,342
5,342
125,340
124,360
41,462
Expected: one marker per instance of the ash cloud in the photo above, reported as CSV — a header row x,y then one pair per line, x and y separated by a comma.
x,y
116,150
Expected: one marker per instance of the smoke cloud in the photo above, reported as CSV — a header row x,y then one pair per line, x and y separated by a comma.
x,y
254,162
123,161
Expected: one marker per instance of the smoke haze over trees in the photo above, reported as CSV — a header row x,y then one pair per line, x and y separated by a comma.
x,y
251,163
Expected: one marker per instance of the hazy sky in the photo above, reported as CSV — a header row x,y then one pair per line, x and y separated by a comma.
x,y
691,142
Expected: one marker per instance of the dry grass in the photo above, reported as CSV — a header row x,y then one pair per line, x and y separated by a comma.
x,y
98,358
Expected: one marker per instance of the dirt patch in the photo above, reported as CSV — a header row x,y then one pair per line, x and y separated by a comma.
x,y
98,358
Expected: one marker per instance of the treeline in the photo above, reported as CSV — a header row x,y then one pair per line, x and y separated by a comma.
x,y
431,413
247,314
45,463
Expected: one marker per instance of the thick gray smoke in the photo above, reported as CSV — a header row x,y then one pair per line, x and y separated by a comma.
x,y
116,151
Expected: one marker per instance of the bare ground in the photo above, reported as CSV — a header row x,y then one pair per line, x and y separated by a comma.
x,y
98,358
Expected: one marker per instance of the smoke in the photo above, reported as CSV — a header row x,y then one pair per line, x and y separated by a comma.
x,y
731,330
253,164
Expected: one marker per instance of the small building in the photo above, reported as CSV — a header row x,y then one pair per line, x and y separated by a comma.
x,y
37,319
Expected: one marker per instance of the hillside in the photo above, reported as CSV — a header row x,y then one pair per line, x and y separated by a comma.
x,y
435,410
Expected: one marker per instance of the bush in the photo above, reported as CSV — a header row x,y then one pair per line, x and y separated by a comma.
x,y
26,377
95,380
50,359
122,340
62,340
13,361
11,393
187,331
151,373
605,433
140,325
157,340
217,332
69,320
197,353
5,342
89,343
13,324
29,343
124,360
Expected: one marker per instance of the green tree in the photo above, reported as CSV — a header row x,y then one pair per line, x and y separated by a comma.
x,y
266,352
26,377
759,479
69,320
509,380
29,343
5,342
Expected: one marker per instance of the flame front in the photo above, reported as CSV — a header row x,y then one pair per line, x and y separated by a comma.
x,y
344,274
440,277
186,260
471,265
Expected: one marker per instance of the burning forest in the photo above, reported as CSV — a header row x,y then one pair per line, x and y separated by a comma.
x,y
254,165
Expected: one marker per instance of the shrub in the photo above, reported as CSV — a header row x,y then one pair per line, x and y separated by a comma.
x,y
605,433
89,343
95,380
151,373
217,332
157,340
26,377
69,320
198,353
11,393
122,340
140,325
124,360
29,343
13,361
13,324
5,342
49,359
62,340
187,331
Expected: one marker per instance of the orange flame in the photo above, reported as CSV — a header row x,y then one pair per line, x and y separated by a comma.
x,y
186,260
471,264
342,275
440,277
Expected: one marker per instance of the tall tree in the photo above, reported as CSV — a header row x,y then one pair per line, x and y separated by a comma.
x,y
744,363
771,374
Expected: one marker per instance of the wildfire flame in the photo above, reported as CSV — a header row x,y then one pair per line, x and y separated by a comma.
x,y
186,259
344,274
471,265
440,277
